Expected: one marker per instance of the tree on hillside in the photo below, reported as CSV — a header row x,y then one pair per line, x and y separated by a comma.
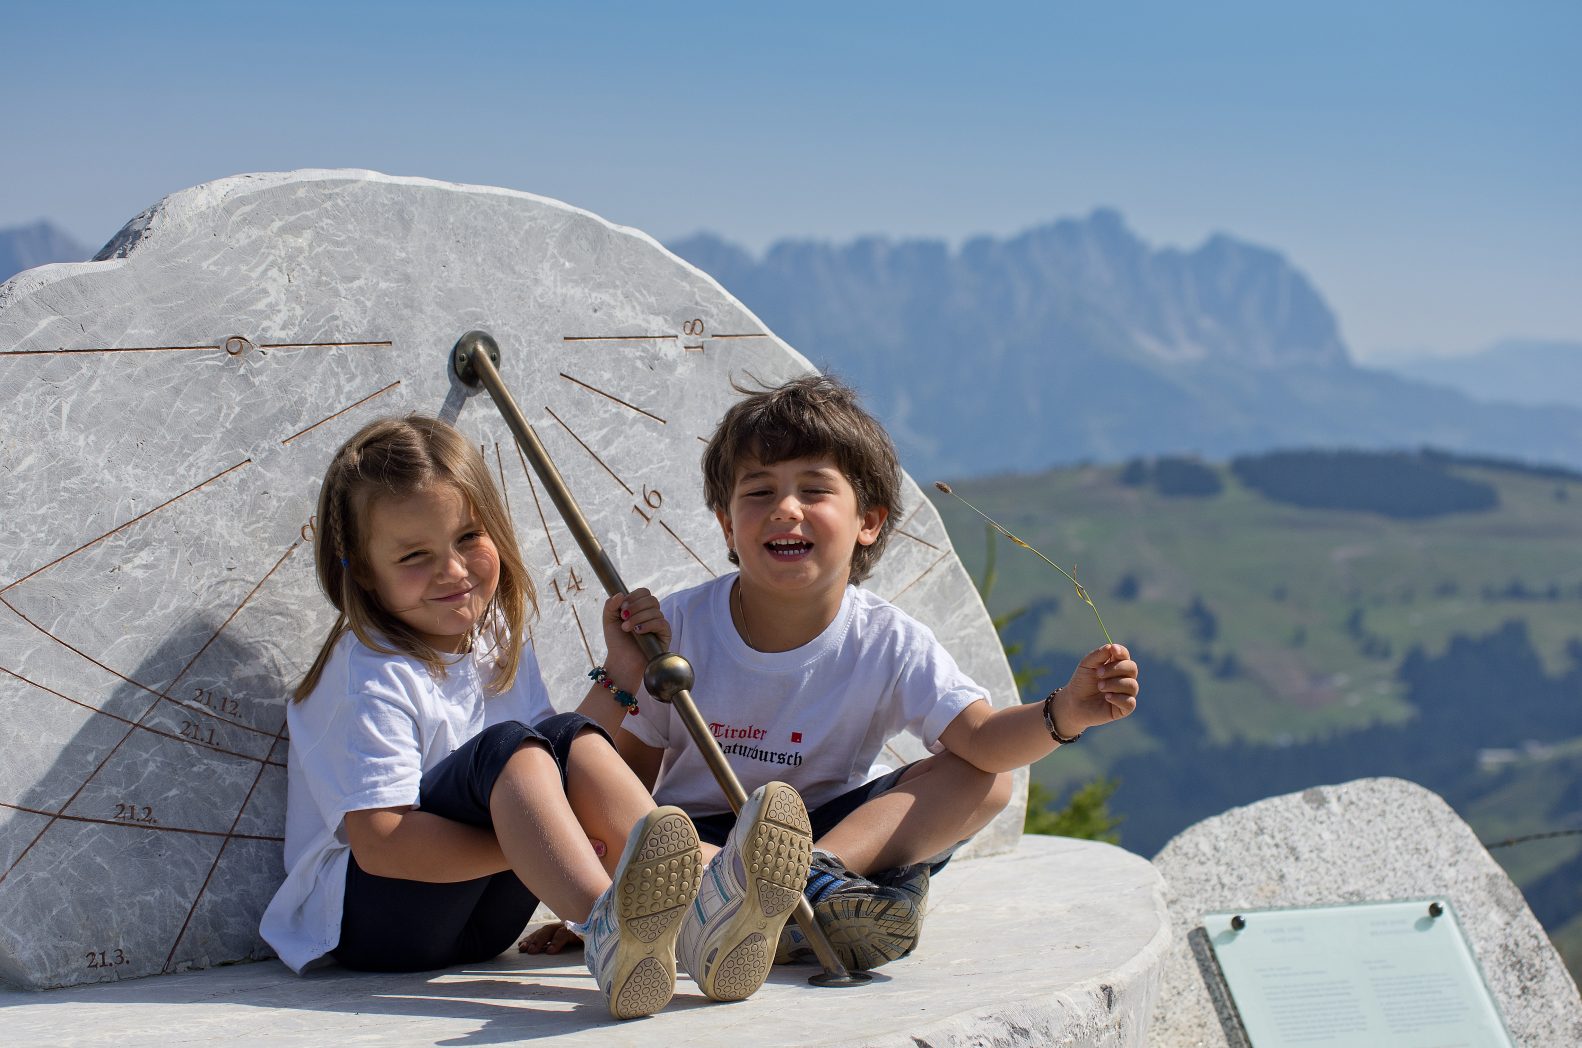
x,y
1086,815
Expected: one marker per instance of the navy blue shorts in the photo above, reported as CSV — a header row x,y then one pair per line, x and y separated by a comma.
x,y
394,925
715,828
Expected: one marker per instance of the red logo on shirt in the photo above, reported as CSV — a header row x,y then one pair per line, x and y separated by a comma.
x,y
796,736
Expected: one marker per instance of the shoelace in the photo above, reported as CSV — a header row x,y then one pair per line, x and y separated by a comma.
x,y
821,881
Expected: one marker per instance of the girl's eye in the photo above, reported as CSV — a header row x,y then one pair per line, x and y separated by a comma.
x,y
411,557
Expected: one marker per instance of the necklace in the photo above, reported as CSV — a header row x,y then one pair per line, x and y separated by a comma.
x,y
741,613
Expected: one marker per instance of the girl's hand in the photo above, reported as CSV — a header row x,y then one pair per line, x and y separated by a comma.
x,y
625,616
1103,688
550,938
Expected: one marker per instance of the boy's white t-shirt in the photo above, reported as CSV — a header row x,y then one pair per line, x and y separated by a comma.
x,y
373,725
815,717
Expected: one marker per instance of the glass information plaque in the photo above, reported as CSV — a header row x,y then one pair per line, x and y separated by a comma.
x,y
1357,976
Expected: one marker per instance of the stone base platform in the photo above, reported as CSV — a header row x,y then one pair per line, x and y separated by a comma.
x,y
1061,942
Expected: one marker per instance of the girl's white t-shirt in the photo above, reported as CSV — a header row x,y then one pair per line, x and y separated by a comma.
x,y
817,717
373,725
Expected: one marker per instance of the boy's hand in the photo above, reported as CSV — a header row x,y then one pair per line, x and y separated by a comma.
x,y
1103,688
625,616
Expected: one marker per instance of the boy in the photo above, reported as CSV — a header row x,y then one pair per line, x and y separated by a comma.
x,y
802,676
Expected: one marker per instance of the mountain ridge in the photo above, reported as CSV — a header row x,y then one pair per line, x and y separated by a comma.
x,y
1534,372
1076,341
37,244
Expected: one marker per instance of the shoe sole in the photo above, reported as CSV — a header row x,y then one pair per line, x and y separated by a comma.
x,y
864,934
776,855
655,883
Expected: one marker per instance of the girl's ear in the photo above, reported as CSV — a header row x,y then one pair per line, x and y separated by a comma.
x,y
872,522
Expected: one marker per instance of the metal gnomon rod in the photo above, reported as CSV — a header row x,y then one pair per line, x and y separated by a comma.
x,y
668,677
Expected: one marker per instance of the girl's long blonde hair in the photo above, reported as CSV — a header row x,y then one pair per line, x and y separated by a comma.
x,y
395,457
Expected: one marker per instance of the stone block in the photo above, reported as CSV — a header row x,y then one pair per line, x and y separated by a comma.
x,y
169,409
1372,840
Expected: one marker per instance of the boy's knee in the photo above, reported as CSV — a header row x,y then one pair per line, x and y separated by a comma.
x,y
1000,790
997,787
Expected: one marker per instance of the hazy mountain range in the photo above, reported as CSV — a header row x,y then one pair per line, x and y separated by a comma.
x,y
23,247
1077,341
1518,371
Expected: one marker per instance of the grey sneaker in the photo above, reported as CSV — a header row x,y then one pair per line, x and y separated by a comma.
x,y
867,924
629,939
747,891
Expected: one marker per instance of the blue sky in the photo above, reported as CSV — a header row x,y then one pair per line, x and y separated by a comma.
x,y
1422,162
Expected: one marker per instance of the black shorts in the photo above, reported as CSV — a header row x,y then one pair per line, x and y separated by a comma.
x,y
394,925
715,828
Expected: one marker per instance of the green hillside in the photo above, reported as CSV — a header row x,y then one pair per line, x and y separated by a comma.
x,y
1416,615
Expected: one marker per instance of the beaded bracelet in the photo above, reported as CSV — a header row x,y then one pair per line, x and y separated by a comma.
x,y
1049,721
625,698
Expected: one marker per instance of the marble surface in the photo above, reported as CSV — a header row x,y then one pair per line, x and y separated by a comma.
x,y
1372,840
169,409
1059,942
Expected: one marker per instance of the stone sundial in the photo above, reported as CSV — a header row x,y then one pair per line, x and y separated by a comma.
x,y
169,410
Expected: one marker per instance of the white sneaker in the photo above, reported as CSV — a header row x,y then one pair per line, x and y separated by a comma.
x,y
729,934
629,939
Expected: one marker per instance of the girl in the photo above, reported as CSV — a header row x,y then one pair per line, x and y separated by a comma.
x,y
425,818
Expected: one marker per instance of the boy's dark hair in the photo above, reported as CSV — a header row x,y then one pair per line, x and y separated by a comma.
x,y
807,418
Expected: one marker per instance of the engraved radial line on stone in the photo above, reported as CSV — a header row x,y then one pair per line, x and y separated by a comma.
x,y
617,338
127,825
59,816
580,631
908,534
215,636
589,450
759,335
78,791
688,548
377,344
611,396
138,723
127,524
536,504
229,835
919,578
342,411
505,496
133,724
126,349
916,538
79,653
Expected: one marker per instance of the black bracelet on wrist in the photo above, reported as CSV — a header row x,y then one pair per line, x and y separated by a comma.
x,y
625,698
1049,721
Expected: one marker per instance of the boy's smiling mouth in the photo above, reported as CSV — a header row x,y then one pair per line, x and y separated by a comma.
x,y
788,549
